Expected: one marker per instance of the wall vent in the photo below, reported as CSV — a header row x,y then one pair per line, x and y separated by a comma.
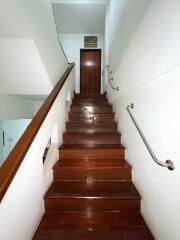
x,y
90,41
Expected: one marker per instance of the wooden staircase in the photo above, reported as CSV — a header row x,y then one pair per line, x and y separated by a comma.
x,y
92,196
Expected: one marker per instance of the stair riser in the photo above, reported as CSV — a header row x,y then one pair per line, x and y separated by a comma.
x,y
91,205
89,103
96,219
91,118
103,233
91,109
93,164
74,139
91,97
102,128
95,174
92,154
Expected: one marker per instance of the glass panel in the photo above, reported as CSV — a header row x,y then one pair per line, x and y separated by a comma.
x,y
16,113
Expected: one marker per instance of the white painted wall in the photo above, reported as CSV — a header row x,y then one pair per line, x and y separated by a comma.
x,y
72,43
148,74
27,195
123,18
15,108
31,58
22,70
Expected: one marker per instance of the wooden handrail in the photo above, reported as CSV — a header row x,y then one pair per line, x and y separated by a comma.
x,y
16,156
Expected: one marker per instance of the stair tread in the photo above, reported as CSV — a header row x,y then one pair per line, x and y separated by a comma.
x,y
93,163
98,219
87,95
90,103
94,124
93,189
91,97
91,146
91,109
94,134
137,233
88,113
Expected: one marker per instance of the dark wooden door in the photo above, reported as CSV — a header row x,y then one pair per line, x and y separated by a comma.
x,y
90,70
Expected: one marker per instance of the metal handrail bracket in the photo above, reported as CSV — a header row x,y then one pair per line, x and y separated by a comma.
x,y
168,164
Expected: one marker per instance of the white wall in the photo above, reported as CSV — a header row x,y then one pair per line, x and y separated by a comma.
x,y
148,74
32,60
22,70
15,108
22,206
72,43
123,19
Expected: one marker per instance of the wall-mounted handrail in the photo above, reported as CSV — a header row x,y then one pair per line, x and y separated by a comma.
x,y
110,78
11,165
168,164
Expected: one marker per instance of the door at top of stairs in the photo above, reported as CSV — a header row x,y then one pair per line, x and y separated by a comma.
x,y
90,70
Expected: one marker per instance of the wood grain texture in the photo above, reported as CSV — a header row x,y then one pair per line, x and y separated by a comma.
x,y
92,195
90,70
91,128
15,158
90,233
91,138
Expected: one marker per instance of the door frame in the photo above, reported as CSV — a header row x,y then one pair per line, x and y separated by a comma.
x,y
91,50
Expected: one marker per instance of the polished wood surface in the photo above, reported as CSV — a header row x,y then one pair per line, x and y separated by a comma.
x,y
90,102
91,109
91,118
103,127
89,233
15,158
92,138
90,70
81,151
92,196
83,171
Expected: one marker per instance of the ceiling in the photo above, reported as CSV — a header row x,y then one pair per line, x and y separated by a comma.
x,y
80,17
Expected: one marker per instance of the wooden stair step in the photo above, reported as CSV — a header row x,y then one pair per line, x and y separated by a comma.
x,y
91,109
82,151
98,190
84,171
92,163
90,102
92,219
92,196
90,95
93,234
91,118
91,128
91,138
78,174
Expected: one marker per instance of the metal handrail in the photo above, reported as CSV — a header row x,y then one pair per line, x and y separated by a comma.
x,y
111,78
168,164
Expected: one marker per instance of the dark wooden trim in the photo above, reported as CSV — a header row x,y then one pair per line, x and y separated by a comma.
x,y
91,50
15,158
